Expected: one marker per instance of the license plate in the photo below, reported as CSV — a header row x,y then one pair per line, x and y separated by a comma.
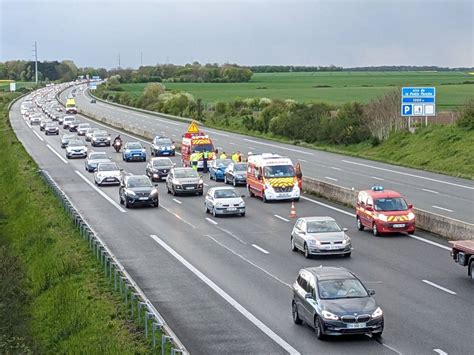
x,y
110,179
401,225
284,195
231,209
165,153
356,325
143,198
331,247
190,188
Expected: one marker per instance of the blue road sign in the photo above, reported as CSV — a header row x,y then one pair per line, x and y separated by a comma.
x,y
418,101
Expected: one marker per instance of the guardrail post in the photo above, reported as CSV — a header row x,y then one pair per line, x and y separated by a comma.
x,y
164,340
154,328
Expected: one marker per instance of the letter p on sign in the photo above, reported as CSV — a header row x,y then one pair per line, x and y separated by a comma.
x,y
407,110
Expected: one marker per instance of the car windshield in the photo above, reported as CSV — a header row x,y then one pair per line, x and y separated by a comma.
x,y
95,156
186,173
390,204
163,141
134,146
203,147
223,163
225,193
240,167
91,130
279,171
162,162
322,227
50,124
342,288
84,125
68,136
141,181
108,167
100,134
69,119
76,143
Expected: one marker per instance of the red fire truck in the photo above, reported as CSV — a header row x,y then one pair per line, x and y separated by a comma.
x,y
196,141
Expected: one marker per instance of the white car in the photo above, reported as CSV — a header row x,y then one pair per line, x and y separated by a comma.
x,y
76,149
107,174
90,133
36,118
67,120
224,200
82,129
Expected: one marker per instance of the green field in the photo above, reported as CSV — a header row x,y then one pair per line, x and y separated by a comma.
x,y
19,85
331,87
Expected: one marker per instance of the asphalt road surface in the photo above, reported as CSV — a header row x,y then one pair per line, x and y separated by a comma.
x,y
445,195
223,284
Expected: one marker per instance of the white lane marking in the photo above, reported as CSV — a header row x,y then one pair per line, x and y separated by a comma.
x,y
393,349
205,184
408,174
250,262
353,215
220,134
102,193
377,178
427,241
440,352
270,333
330,178
178,217
280,217
57,154
260,249
231,143
39,137
442,208
432,191
251,148
439,287
211,221
279,147
334,168
302,160
177,201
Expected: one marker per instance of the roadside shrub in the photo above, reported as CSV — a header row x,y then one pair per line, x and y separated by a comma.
x,y
466,120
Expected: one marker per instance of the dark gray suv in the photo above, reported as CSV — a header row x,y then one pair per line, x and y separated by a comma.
x,y
334,301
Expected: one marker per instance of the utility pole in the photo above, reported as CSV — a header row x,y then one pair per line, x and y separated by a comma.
x,y
36,63
141,58
119,60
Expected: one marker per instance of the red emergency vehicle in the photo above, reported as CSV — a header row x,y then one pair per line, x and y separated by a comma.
x,y
384,211
195,141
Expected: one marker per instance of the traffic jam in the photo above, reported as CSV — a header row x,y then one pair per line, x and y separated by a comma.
x,y
332,300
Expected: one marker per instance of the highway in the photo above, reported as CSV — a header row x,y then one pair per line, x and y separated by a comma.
x,y
223,284
445,195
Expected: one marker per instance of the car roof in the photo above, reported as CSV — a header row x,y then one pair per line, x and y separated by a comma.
x,y
183,168
160,158
131,176
382,194
222,188
316,218
330,272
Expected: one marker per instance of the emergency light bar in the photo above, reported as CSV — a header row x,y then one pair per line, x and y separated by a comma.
x,y
377,188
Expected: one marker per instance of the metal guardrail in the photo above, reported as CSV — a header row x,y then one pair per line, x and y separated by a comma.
x,y
155,329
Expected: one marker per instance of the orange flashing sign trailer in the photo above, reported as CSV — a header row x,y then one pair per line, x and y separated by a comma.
x,y
196,141
272,177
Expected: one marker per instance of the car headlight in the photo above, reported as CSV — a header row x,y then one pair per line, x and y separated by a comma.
x,y
383,217
173,147
329,315
143,150
242,204
377,313
127,151
411,216
200,182
131,193
154,192
314,242
108,138
346,240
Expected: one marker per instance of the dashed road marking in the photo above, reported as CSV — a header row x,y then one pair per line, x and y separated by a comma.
x,y
442,208
260,249
280,217
439,287
57,154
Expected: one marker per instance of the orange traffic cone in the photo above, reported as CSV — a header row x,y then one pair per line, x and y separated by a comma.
x,y
293,210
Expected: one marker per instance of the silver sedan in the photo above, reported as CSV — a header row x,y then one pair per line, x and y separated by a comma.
x,y
320,236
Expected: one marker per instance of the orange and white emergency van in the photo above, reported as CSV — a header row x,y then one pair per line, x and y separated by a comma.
x,y
195,141
272,177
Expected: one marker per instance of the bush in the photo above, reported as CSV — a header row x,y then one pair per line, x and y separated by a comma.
x,y
466,120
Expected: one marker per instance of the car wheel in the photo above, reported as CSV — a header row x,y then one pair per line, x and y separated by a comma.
x,y
347,255
251,194
264,199
225,180
234,183
471,267
243,214
214,213
121,200
360,226
377,335
168,189
293,246
375,230
306,251
156,204
210,176
173,191
205,208
125,202
294,313
318,327
412,232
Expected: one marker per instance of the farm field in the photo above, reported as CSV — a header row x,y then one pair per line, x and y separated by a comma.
x,y
5,86
332,87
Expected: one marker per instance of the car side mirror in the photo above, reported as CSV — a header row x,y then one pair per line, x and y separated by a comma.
x,y
371,292
308,295
410,206
174,164
243,196
344,229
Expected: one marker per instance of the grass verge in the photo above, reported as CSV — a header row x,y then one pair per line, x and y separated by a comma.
x,y
54,297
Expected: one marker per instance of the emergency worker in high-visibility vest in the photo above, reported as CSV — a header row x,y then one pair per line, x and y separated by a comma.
x,y
235,158
205,156
194,160
223,156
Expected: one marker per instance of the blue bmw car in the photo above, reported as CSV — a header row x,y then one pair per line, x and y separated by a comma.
x,y
217,169
133,151
162,146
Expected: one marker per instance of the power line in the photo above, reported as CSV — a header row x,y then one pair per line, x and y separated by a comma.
x,y
36,62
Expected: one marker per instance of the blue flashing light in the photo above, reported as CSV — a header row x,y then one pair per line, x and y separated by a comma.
x,y
377,188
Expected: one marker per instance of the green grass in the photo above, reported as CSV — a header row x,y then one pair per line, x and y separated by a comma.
x,y
343,87
54,299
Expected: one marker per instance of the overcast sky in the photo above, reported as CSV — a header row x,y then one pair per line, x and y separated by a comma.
x,y
344,33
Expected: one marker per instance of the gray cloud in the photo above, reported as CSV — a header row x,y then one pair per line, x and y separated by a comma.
x,y
347,33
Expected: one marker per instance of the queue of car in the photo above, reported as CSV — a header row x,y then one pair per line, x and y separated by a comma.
x,y
332,300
